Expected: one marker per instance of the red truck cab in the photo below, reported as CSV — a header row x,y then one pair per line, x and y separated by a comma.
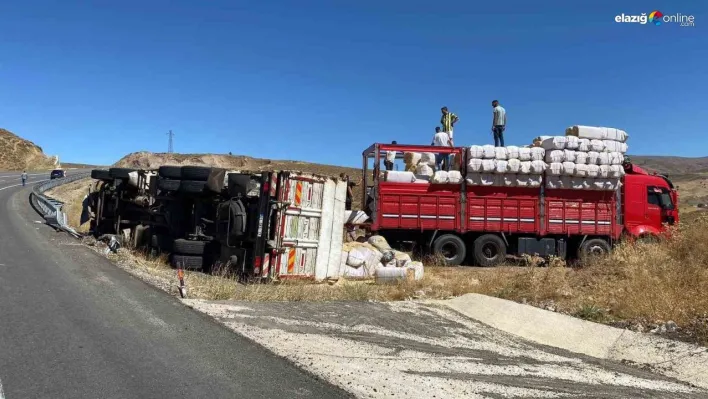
x,y
484,224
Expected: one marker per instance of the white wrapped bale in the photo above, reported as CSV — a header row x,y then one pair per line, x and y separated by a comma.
x,y
554,143
569,155
490,179
597,145
427,158
454,177
581,170
612,184
440,177
422,179
394,176
604,172
525,167
357,256
616,171
501,166
474,179
522,180
538,167
514,165
512,152
537,154
615,146
554,182
581,157
583,145
555,169
509,180
416,268
379,242
568,168
593,157
555,156
476,151
474,165
500,153
593,171
424,169
488,165
596,132
616,158
578,183
537,142
489,152
535,181
411,158
603,158
572,143
524,154
597,184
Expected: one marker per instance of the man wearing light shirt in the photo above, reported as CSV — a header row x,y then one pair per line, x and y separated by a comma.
x,y
390,157
442,139
498,123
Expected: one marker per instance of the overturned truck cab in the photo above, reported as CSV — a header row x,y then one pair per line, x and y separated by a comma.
x,y
257,225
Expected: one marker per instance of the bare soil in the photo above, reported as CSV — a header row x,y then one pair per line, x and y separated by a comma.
x,y
17,153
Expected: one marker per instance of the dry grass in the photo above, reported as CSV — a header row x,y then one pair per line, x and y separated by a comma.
x,y
72,195
18,154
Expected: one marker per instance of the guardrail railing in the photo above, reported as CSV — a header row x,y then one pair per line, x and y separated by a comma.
x,y
50,208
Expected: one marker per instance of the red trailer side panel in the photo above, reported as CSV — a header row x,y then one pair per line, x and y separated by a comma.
x,y
418,206
511,210
580,212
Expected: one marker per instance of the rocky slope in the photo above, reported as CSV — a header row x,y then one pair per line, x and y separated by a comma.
x,y
17,153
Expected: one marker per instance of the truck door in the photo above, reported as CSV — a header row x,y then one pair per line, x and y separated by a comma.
x,y
653,210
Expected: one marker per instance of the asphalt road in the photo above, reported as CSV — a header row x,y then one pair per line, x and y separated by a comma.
x,y
72,325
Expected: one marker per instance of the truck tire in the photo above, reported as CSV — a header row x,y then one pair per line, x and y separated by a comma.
x,y
170,172
168,184
192,186
120,173
100,174
593,248
198,173
188,262
161,242
452,248
489,250
189,247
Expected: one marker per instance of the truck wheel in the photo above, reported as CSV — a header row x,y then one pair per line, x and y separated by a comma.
x,y
161,242
452,248
189,247
198,173
100,174
593,248
187,262
168,184
191,186
170,172
120,173
489,250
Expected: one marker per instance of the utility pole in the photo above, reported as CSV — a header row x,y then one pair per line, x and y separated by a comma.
x,y
170,150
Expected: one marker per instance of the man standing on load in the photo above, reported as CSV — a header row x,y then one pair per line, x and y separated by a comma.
x,y
442,139
448,120
498,123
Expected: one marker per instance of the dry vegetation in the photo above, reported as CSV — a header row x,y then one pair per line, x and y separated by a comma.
x,y
72,195
17,153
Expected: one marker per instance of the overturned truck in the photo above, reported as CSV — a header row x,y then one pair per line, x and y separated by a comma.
x,y
259,225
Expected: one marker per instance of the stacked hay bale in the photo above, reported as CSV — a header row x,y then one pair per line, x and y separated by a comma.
x,y
586,158
375,257
510,166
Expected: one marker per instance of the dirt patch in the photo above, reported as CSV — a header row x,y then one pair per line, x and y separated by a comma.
x,y
17,153
72,195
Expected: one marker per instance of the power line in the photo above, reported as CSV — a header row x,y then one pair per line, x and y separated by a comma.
x,y
170,150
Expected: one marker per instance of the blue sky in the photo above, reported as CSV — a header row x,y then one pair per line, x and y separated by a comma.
x,y
319,81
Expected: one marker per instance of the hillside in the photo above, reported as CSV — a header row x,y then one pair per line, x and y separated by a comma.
x,y
17,153
672,165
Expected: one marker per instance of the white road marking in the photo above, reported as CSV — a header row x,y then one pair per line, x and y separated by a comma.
x,y
15,185
2,394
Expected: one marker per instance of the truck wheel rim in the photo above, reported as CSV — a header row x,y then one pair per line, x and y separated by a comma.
x,y
489,251
596,250
449,251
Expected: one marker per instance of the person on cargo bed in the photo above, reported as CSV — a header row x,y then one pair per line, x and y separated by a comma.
x,y
498,123
350,191
442,139
448,120
390,157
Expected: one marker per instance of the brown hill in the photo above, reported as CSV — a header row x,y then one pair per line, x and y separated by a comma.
x,y
17,153
672,165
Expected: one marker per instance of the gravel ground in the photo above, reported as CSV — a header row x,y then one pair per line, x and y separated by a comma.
x,y
414,350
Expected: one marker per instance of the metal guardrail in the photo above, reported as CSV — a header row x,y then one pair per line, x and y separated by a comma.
x,y
50,208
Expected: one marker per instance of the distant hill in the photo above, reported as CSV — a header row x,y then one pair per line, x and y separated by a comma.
x,y
672,165
17,153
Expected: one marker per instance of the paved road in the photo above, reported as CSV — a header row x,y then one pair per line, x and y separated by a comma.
x,y
72,325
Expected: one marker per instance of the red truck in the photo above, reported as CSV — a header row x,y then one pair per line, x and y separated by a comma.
x,y
489,223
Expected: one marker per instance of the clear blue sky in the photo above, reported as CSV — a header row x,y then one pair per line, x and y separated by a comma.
x,y
321,80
